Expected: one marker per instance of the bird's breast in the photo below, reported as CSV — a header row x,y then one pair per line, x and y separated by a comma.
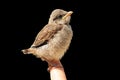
x,y
61,41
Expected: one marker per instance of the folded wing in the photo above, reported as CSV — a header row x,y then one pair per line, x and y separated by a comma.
x,y
46,34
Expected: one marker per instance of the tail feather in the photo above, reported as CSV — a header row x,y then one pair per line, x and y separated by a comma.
x,y
28,51
25,51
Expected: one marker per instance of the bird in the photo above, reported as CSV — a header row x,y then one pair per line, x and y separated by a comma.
x,y
53,41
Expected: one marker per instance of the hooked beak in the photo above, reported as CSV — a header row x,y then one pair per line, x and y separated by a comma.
x,y
67,15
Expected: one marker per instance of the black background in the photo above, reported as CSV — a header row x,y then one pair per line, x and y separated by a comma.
x,y
83,60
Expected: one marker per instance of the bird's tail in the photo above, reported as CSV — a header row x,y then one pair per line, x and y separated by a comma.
x,y
28,51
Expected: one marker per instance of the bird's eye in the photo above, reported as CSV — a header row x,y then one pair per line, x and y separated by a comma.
x,y
60,16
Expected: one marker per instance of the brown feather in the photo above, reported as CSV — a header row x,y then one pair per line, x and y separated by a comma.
x,y
46,33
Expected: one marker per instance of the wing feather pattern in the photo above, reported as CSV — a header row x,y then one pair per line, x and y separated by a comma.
x,y
46,34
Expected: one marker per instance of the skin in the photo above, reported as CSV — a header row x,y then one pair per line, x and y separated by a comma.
x,y
57,73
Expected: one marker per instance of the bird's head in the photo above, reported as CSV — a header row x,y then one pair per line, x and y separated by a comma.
x,y
59,16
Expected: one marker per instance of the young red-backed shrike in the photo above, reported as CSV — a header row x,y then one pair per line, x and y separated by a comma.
x,y
54,39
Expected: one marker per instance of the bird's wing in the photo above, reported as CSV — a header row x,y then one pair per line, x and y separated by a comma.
x,y
46,34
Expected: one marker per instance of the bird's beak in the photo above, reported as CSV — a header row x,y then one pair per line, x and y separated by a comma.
x,y
67,15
